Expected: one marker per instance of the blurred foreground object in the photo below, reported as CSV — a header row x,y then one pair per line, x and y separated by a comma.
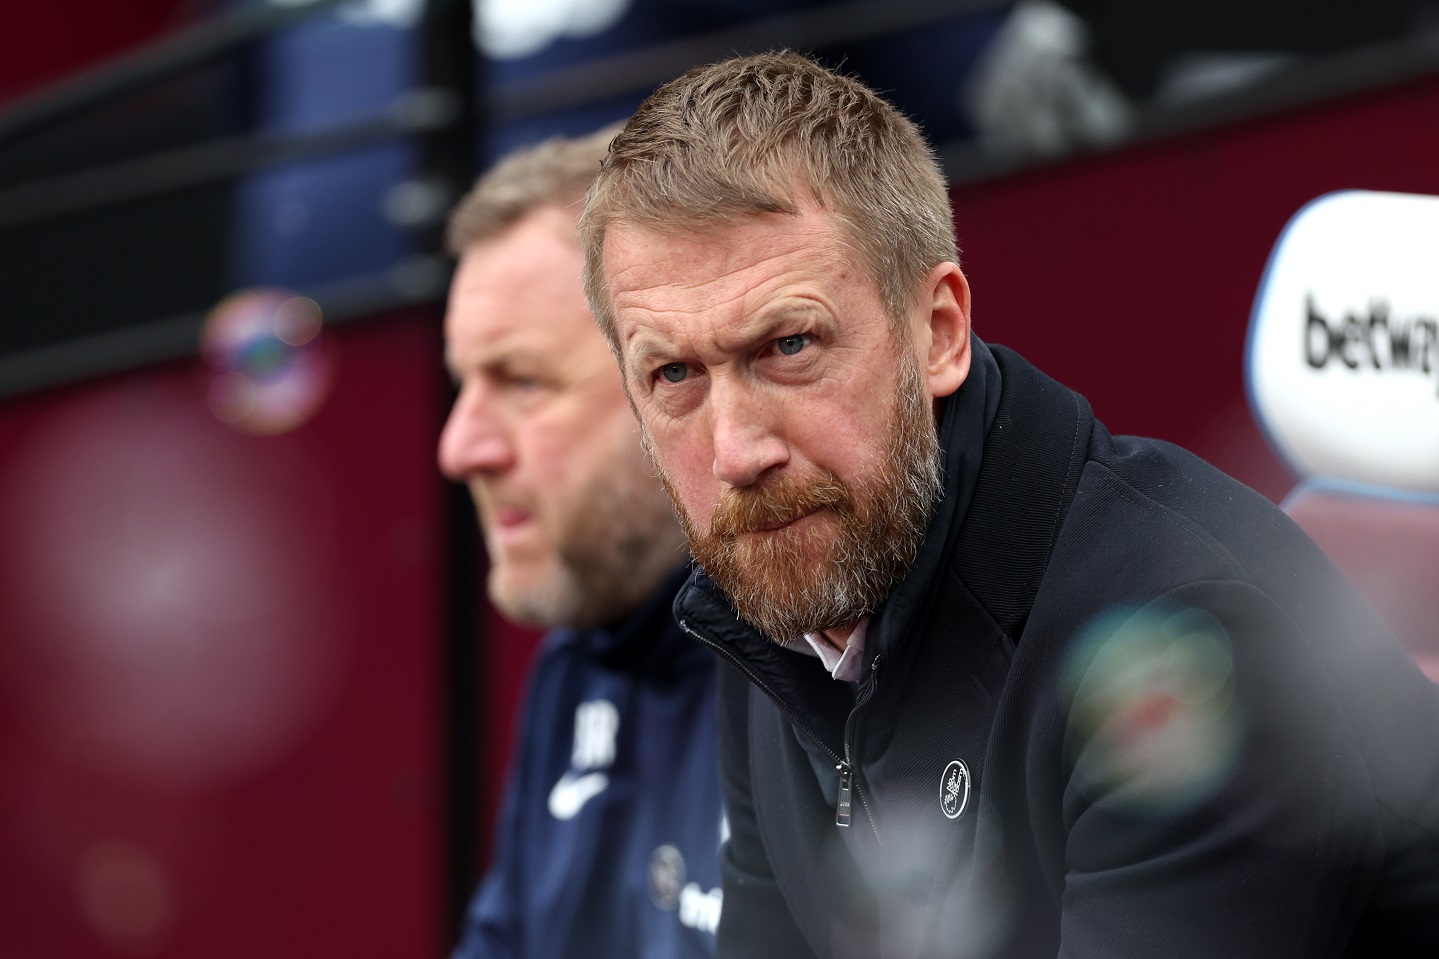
x,y
1343,370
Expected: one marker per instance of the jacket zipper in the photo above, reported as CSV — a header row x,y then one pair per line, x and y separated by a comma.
x,y
846,768
842,764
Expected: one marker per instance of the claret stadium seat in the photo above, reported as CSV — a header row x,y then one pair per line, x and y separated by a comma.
x,y
1342,367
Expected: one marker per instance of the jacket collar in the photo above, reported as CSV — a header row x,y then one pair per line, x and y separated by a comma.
x,y
646,641
1033,457
964,423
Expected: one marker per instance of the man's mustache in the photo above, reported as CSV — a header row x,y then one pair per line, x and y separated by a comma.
x,y
781,500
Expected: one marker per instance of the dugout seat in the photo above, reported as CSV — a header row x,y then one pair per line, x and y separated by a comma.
x,y
1342,369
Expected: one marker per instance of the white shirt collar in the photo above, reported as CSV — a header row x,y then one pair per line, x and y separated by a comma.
x,y
846,665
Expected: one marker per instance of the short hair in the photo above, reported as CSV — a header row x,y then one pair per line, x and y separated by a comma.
x,y
553,173
756,134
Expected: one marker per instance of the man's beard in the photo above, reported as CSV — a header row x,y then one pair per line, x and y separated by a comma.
x,y
788,582
613,549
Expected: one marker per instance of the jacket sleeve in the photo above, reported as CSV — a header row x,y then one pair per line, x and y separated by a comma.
x,y
1217,801
756,922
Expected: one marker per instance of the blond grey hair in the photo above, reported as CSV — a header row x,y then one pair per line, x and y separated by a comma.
x,y
553,173
761,134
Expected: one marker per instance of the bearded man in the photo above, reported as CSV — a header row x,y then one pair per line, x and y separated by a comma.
x,y
1076,694
611,820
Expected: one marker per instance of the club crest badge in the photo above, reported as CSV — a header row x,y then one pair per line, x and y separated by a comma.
x,y
667,876
954,789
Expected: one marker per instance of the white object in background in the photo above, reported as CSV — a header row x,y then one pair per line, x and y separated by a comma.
x,y
1035,90
512,29
1343,354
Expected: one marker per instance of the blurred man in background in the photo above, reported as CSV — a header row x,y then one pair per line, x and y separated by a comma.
x,y
611,818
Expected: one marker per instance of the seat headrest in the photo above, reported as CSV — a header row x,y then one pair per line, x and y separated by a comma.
x,y
1342,363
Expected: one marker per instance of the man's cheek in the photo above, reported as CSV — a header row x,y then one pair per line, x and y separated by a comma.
x,y
672,449
684,488
691,492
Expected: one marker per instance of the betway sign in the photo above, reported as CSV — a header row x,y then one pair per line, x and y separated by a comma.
x,y
1343,357
1373,340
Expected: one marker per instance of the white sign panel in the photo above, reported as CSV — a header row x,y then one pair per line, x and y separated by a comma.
x,y
1343,358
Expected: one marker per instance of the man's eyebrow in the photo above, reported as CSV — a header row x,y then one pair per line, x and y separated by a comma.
x,y
774,322
786,312
644,349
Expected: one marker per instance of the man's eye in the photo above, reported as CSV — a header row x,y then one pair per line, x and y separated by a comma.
x,y
517,379
674,372
790,345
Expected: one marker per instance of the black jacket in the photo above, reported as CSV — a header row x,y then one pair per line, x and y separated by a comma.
x,y
1120,706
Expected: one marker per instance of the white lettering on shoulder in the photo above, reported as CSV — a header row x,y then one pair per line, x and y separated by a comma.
x,y
596,724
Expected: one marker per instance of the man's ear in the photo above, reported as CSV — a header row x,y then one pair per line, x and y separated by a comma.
x,y
946,299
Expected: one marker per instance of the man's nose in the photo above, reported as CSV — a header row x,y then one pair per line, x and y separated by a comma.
x,y
748,435
474,439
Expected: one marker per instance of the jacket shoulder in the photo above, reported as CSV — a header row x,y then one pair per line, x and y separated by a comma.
x,y
1152,505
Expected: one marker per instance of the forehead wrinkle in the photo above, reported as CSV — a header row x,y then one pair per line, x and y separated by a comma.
x,y
679,306
671,320
766,319
793,308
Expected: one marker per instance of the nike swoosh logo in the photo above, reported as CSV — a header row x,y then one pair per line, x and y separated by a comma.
x,y
572,792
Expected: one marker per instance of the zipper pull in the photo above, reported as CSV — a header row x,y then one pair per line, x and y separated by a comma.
x,y
846,785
